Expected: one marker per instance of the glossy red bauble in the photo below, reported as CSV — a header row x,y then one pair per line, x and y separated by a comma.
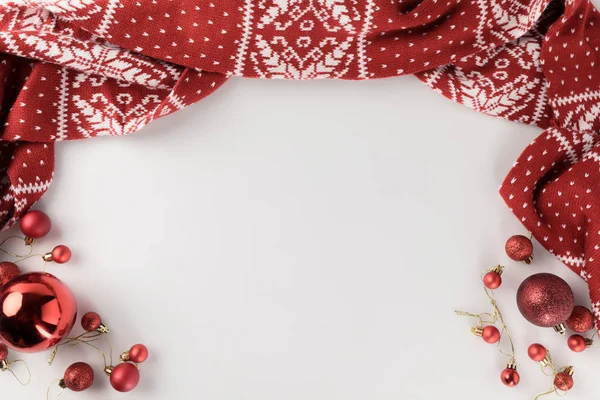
x,y
490,334
510,377
581,320
537,352
8,271
61,254
519,248
138,353
545,300
124,377
37,311
577,343
79,376
35,224
492,280
3,351
563,381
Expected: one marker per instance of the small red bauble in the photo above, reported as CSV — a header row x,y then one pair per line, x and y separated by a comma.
x,y
510,377
91,321
8,271
545,300
78,377
61,254
563,381
490,334
577,343
581,320
3,351
138,353
519,248
124,377
537,352
35,224
492,280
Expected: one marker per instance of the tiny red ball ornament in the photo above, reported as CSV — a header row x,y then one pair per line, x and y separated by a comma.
x,y
581,320
78,377
490,334
563,381
545,300
124,377
537,352
3,351
138,353
61,254
492,280
519,248
8,271
35,224
91,321
510,377
577,343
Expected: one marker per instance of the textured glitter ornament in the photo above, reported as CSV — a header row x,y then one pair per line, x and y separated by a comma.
x,y
91,321
545,300
510,377
519,248
78,377
37,311
581,320
8,271
564,380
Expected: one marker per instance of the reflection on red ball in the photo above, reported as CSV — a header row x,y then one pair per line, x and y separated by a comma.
x,y
563,381
492,280
581,320
3,351
577,343
35,224
510,377
124,377
537,352
491,334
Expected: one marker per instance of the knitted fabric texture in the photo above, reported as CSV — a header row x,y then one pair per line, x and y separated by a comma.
x,y
75,69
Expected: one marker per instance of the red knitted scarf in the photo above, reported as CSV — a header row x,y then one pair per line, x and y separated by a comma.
x,y
73,69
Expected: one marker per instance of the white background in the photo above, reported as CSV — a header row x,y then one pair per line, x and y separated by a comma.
x,y
300,240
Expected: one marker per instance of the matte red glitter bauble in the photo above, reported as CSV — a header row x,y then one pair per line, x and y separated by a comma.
x,y
537,352
492,280
490,334
563,381
138,353
3,351
37,311
35,224
519,248
124,377
8,271
581,320
91,321
545,300
510,377
577,343
79,376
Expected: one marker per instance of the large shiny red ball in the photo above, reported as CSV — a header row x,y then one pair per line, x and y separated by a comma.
x,y
519,248
545,300
3,351
563,381
124,377
91,321
8,271
510,377
35,224
61,254
581,320
537,352
490,334
79,376
577,343
138,353
37,311
492,280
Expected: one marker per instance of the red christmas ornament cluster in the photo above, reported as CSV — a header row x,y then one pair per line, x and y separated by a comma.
x,y
563,378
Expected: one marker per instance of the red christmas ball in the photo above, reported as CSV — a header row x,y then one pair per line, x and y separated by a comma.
x,y
519,248
91,321
563,381
537,352
3,351
37,311
577,343
124,377
61,254
492,280
138,353
490,334
545,300
35,224
8,271
79,376
581,320
510,377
